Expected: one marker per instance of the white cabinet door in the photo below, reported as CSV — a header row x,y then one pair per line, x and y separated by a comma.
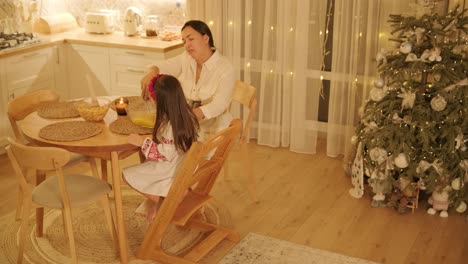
x,y
29,71
129,66
92,60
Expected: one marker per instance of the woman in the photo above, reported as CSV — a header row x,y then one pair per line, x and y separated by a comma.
x,y
206,76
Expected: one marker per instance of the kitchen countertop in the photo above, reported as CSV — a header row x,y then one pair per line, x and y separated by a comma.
x,y
117,39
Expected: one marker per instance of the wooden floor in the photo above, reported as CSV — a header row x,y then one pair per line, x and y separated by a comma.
x,y
304,199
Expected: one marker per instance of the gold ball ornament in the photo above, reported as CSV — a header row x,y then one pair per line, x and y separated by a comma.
x,y
438,103
401,161
461,208
379,83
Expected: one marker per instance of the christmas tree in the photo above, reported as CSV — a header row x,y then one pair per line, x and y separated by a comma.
x,y
413,132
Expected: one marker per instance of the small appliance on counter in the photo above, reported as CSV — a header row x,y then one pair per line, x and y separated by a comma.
x,y
99,23
132,21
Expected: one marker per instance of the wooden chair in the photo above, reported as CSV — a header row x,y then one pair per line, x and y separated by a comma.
x,y
187,196
245,95
58,191
24,105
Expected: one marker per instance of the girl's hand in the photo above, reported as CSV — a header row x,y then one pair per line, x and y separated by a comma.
x,y
135,140
145,81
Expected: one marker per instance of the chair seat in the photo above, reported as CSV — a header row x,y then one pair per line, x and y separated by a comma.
x,y
82,190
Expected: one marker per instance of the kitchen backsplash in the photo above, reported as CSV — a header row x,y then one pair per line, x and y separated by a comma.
x,y
12,12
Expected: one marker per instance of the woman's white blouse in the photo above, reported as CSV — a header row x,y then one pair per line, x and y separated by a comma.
x,y
214,88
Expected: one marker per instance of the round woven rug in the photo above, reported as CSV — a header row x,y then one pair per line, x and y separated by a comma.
x,y
93,242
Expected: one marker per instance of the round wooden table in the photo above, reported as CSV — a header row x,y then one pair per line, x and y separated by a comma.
x,y
107,145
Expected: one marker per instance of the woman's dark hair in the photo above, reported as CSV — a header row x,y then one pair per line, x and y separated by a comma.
x,y
201,28
172,107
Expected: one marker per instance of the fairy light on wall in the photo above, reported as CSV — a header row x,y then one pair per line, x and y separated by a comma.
x,y
211,22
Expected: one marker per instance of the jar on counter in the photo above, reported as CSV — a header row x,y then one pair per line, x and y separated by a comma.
x,y
152,25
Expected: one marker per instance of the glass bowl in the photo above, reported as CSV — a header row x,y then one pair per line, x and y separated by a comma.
x,y
92,112
142,113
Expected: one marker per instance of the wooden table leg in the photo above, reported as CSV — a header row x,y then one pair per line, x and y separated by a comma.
x,y
121,232
40,177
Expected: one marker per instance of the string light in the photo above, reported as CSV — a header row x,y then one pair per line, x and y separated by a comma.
x,y
211,22
249,23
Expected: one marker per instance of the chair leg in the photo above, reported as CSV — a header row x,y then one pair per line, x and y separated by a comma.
x,y
250,174
19,203
69,231
104,201
27,204
94,170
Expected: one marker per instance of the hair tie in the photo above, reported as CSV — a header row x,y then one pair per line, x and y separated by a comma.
x,y
151,86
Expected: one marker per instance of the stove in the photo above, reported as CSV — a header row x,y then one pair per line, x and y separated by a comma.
x,y
17,40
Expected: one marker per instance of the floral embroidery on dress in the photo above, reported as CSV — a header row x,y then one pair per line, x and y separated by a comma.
x,y
151,151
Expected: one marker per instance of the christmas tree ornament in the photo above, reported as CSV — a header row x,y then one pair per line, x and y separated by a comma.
x,y
439,201
378,154
377,94
438,103
381,56
411,57
401,161
354,140
461,208
357,174
406,47
379,83
437,77
408,99
456,184
434,54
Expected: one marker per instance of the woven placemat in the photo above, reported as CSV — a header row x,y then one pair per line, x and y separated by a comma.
x,y
58,110
123,125
70,131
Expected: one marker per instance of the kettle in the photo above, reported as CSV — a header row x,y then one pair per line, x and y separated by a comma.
x,y
132,21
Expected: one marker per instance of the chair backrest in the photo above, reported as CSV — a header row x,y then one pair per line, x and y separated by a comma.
x,y
24,158
246,95
193,183
24,105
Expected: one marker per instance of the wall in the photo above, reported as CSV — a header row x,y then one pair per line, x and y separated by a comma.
x,y
11,8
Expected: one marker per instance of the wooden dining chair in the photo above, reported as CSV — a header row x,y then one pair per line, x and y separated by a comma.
x,y
245,95
24,105
58,191
188,194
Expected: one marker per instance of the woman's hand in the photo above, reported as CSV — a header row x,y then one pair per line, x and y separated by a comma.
x,y
135,140
146,80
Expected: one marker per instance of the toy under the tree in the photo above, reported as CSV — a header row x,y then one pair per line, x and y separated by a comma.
x,y
413,131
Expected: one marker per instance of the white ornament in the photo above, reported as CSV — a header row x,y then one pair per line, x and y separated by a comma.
x,y
401,161
438,103
456,184
378,154
408,99
379,83
377,94
461,208
406,47
354,140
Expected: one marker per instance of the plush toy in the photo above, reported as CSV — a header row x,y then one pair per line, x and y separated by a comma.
x,y
439,201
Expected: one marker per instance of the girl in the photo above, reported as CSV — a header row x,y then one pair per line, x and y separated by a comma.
x,y
175,129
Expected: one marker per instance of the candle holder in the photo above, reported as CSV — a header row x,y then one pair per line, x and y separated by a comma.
x,y
121,106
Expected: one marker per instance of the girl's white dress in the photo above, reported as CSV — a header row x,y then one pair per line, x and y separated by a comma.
x,y
156,174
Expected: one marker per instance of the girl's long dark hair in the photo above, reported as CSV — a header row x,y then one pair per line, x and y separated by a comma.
x,y
172,107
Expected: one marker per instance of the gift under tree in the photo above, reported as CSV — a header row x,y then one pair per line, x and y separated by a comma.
x,y
413,133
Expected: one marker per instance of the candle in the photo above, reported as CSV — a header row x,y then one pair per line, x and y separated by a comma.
x,y
121,105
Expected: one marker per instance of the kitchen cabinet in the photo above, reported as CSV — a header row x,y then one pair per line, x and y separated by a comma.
x,y
87,59
29,71
128,66
20,74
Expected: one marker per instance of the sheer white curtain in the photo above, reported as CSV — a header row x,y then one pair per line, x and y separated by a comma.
x,y
279,47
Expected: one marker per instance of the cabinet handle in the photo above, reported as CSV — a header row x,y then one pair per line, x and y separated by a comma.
x,y
30,55
135,70
135,53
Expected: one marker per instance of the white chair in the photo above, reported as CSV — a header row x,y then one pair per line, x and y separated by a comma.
x,y
58,191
